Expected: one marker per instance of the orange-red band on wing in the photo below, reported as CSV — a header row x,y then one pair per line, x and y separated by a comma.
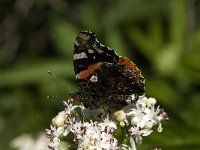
x,y
126,61
91,69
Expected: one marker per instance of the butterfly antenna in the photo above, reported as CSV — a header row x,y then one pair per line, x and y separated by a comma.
x,y
53,75
62,84
50,97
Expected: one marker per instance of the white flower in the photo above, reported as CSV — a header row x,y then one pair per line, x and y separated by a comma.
x,y
95,135
138,133
70,106
146,102
54,144
109,123
143,116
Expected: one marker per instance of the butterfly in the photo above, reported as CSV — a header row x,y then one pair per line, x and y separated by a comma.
x,y
105,79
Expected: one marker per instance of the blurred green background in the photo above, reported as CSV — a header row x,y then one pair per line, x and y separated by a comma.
x,y
161,36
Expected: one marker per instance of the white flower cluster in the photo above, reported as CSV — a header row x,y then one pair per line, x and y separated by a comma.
x,y
70,130
94,135
142,117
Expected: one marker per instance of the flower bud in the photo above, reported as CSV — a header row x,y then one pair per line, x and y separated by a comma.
x,y
59,120
120,115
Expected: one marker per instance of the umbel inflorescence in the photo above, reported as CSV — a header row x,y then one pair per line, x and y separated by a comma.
x,y
75,128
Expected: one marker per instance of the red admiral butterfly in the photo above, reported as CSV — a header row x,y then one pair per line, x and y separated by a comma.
x,y
104,79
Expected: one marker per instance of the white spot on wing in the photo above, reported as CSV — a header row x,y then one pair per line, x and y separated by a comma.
x,y
96,40
94,78
90,51
81,55
77,76
97,48
99,51
109,48
102,45
76,43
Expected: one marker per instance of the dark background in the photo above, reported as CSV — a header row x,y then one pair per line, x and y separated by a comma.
x,y
161,36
